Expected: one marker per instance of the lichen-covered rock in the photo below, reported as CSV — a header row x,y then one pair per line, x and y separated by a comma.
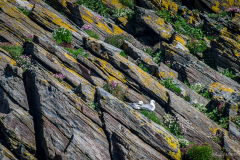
x,y
232,148
52,20
17,127
175,104
6,154
225,54
149,24
24,4
217,6
17,26
67,127
196,71
161,140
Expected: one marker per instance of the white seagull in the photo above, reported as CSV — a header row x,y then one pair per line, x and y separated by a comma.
x,y
136,105
149,107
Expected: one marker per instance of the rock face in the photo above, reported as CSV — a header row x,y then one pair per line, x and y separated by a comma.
x,y
85,114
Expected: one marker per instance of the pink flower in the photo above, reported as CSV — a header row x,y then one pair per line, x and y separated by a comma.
x,y
99,17
88,27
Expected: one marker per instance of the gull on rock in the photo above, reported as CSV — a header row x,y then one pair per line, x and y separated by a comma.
x,y
136,105
149,107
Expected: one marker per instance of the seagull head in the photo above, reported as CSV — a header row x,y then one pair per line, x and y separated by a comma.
x,y
152,102
140,103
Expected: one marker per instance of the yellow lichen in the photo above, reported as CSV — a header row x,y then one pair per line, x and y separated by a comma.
x,y
220,87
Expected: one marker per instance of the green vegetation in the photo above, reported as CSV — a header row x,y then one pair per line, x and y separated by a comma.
x,y
198,87
117,40
197,46
97,6
89,30
168,83
229,74
77,52
3,117
236,120
142,66
14,51
183,142
200,152
128,3
93,105
24,11
62,35
124,12
23,61
123,54
92,34
157,57
201,108
206,94
172,125
187,98
218,115
115,89
152,116
216,139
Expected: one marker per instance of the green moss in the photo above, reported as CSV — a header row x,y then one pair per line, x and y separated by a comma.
x,y
26,12
200,152
14,51
92,34
123,54
152,116
77,52
168,83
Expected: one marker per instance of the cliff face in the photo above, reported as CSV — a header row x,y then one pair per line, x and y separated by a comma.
x,y
189,75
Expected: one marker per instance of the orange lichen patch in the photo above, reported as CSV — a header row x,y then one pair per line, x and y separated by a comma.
x,y
70,57
103,27
50,17
216,7
219,86
123,20
178,38
166,75
108,68
116,29
166,4
146,79
86,15
160,26
115,3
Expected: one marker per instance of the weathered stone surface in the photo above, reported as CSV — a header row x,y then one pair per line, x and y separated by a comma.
x,y
161,140
5,154
200,124
81,15
218,6
233,129
126,145
16,123
64,129
165,73
150,24
17,26
52,20
232,148
24,4
84,67
225,54
196,71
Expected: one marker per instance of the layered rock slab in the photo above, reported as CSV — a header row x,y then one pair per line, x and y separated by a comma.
x,y
64,130
124,124
17,127
200,125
